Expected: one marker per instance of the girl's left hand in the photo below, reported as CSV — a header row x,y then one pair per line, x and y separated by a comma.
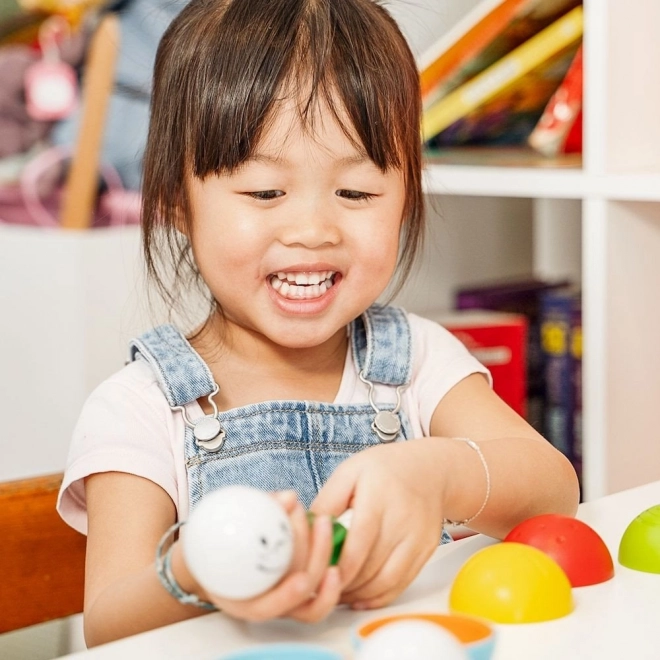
x,y
396,495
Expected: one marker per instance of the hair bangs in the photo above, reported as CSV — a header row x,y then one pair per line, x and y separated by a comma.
x,y
315,52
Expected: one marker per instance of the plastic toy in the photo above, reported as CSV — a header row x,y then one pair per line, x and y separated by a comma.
x,y
238,542
476,636
340,527
284,652
411,640
575,546
639,548
511,583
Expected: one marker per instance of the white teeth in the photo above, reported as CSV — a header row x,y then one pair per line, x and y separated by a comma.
x,y
301,286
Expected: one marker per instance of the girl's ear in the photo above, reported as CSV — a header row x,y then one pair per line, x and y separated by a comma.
x,y
179,217
180,224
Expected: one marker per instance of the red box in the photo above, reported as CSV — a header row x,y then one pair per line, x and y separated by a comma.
x,y
499,341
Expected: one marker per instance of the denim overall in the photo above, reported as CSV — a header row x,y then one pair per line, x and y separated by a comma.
x,y
283,445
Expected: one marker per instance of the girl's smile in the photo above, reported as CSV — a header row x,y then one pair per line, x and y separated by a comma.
x,y
304,290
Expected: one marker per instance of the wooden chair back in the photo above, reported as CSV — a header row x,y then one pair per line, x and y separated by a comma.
x,y
42,560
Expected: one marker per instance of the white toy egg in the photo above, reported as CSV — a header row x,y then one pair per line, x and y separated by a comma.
x,y
411,640
238,542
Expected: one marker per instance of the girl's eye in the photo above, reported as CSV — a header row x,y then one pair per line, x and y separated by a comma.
x,y
354,195
265,195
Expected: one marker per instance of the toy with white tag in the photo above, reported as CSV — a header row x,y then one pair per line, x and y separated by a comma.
x,y
51,85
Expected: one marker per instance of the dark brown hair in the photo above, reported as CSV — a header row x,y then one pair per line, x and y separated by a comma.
x,y
220,69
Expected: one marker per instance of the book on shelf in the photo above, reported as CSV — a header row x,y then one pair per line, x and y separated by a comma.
x,y
490,30
561,342
539,50
559,129
519,296
499,341
509,117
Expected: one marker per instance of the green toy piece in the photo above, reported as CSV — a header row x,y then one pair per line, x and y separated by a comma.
x,y
339,533
640,544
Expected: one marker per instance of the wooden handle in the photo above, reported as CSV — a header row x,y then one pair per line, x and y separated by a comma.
x,y
82,181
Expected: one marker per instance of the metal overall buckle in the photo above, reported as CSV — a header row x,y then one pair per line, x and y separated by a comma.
x,y
386,424
208,432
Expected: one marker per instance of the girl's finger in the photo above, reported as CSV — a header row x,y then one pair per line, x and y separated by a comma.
x,y
320,550
326,599
380,556
286,498
301,538
395,576
359,544
292,591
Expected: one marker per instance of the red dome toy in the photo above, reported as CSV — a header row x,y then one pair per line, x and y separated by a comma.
x,y
575,546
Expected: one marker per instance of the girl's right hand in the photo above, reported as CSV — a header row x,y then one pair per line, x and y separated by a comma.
x,y
308,592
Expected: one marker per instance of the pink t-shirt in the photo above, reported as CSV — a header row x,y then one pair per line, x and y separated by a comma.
x,y
126,424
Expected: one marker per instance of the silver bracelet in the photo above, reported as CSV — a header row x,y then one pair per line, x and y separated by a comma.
x,y
166,577
476,448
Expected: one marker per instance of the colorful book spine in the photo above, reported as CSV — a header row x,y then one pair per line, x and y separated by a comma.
x,y
559,312
466,40
519,297
558,121
576,352
510,116
498,77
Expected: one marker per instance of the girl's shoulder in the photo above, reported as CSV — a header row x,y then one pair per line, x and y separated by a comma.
x,y
133,388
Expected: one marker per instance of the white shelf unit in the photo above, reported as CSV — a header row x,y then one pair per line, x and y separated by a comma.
x,y
601,221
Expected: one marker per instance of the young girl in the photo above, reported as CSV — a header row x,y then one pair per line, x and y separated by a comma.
x,y
283,171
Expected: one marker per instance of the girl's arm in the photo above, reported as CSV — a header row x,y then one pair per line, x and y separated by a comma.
x,y
127,516
528,475
401,492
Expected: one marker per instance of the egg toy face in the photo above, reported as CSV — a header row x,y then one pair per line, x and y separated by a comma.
x,y
575,546
411,640
238,542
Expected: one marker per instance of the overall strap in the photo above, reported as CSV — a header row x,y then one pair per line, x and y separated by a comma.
x,y
382,345
182,374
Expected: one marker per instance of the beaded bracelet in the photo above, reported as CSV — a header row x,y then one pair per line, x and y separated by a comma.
x,y
476,448
166,577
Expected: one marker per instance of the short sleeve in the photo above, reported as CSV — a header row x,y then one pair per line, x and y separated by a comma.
x,y
440,361
125,426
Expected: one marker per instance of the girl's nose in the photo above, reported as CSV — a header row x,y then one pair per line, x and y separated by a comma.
x,y
310,226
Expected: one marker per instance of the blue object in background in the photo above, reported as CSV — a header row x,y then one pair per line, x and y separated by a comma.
x,y
142,24
284,652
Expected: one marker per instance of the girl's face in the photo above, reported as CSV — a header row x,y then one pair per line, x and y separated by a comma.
x,y
302,238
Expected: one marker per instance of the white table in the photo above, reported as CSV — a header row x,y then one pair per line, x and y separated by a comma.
x,y
618,619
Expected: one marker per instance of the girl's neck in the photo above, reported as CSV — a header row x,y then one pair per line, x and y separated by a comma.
x,y
249,368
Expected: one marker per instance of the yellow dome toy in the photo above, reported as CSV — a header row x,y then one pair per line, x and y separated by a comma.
x,y
511,583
